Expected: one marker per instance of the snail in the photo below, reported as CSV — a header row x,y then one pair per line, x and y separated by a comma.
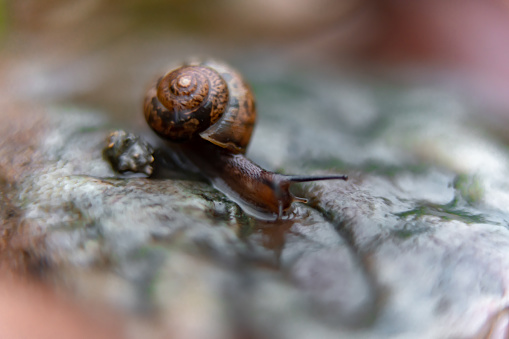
x,y
209,111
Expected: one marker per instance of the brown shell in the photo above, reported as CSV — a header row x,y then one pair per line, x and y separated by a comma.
x,y
185,102
206,98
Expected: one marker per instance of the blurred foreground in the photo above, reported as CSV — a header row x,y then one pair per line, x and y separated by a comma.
x,y
409,99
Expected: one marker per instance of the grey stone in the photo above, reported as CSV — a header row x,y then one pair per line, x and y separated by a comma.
x,y
415,244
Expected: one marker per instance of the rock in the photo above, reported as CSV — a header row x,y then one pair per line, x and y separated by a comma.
x,y
413,245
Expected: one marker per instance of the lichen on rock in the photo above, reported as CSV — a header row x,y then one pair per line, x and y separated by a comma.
x,y
415,244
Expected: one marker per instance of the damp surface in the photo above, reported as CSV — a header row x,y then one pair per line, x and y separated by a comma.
x,y
415,244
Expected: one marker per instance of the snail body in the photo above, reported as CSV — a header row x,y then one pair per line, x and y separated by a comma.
x,y
209,110
261,193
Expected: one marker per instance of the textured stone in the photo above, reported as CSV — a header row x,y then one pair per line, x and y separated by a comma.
x,y
415,244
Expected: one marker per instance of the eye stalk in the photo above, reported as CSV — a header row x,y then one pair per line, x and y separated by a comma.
x,y
208,111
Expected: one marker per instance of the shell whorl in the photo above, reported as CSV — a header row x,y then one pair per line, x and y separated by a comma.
x,y
185,102
205,98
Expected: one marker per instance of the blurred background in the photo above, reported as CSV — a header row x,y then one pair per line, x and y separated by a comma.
x,y
103,54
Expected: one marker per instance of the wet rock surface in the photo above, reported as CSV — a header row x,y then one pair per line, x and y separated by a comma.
x,y
415,244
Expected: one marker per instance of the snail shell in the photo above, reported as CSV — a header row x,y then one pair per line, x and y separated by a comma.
x,y
208,105
206,99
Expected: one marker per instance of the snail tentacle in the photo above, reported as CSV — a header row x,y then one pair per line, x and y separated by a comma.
x,y
209,109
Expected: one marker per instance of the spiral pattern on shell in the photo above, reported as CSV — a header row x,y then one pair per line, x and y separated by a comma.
x,y
205,98
185,102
